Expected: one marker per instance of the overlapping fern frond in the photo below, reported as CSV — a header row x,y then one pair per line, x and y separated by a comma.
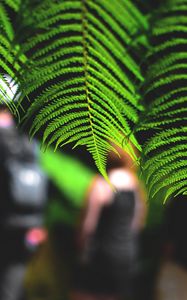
x,y
165,151
84,73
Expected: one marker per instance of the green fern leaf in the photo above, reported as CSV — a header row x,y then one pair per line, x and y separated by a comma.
x,y
164,150
84,74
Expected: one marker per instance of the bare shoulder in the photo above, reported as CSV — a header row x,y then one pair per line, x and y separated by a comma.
x,y
122,178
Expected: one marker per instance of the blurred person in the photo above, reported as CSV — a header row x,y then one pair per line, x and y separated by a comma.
x,y
109,233
24,189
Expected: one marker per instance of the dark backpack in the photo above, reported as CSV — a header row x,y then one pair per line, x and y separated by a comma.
x,y
23,184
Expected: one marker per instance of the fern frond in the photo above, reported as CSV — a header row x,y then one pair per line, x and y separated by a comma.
x,y
11,57
84,74
164,159
14,4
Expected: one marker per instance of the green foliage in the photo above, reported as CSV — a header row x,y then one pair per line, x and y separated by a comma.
x,y
12,60
97,73
164,158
